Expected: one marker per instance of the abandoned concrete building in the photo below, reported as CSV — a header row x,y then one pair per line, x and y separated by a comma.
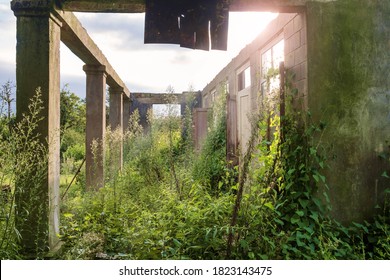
x,y
244,78
337,49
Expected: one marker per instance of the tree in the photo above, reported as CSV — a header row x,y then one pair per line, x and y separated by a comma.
x,y
72,119
7,96
72,111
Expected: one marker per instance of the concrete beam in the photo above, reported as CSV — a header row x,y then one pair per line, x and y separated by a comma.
x,y
114,6
138,6
157,98
76,38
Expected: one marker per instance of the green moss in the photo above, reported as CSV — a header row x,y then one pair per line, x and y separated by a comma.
x,y
348,68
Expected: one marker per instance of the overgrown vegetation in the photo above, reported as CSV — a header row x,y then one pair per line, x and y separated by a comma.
x,y
23,164
170,202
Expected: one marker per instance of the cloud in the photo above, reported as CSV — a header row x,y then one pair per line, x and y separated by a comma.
x,y
125,30
7,72
5,7
75,84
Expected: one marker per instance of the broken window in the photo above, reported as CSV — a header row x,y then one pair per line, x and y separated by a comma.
x,y
244,79
270,60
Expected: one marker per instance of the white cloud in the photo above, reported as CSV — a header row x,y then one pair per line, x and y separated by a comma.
x,y
7,34
4,5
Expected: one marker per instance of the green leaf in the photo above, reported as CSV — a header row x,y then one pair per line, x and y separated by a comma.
x,y
291,171
251,255
269,205
314,216
300,213
384,174
303,203
278,221
326,197
68,215
243,244
309,230
177,242
300,243
295,219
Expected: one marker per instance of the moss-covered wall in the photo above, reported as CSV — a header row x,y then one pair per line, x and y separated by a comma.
x,y
349,89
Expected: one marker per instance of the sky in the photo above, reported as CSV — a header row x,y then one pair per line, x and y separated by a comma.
x,y
143,67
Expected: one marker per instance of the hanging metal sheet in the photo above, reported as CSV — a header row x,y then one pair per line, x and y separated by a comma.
x,y
189,23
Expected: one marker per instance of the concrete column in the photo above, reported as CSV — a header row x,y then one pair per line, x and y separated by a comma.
x,y
96,125
116,123
116,108
126,113
143,113
38,66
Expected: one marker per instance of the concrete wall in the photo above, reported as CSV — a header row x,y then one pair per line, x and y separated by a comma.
x,y
339,53
245,102
349,89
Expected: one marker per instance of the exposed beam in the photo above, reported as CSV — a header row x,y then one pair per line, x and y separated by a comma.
x,y
104,6
76,38
138,6
157,98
